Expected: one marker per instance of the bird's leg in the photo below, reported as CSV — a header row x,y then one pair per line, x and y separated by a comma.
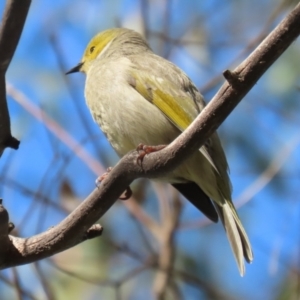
x,y
126,194
144,150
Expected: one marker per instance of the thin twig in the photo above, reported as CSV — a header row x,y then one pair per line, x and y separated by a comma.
x,y
170,214
17,283
45,282
12,285
57,130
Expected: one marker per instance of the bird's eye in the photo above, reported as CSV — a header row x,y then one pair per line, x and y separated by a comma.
x,y
92,49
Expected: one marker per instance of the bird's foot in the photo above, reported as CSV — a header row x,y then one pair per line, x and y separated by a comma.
x,y
101,177
126,194
144,150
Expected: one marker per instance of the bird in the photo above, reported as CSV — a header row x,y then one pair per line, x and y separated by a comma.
x,y
138,97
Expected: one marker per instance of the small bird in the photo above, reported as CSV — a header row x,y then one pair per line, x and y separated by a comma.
x,y
138,97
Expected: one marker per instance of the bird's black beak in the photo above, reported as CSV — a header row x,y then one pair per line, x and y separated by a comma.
x,y
75,69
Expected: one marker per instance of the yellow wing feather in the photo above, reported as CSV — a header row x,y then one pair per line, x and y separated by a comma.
x,y
179,109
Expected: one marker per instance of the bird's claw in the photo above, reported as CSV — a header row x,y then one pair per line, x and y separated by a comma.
x,y
101,177
127,193
144,150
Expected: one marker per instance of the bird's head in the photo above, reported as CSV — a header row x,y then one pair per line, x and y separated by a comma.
x,y
121,40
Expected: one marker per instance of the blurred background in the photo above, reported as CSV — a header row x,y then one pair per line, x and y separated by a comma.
x,y
63,151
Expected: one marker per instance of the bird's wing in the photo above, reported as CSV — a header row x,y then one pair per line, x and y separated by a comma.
x,y
175,103
178,108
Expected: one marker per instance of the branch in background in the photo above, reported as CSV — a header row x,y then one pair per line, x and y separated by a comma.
x,y
170,214
266,176
72,230
11,283
249,47
56,129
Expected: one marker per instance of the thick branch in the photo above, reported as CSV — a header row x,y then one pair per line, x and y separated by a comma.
x,y
72,230
11,28
4,230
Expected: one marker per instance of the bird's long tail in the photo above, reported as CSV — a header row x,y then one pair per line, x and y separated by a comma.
x,y
236,234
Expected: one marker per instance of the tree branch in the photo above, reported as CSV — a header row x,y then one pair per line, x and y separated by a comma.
x,y
163,282
72,230
11,28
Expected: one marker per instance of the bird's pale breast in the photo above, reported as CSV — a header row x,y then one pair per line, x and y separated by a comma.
x,y
125,117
